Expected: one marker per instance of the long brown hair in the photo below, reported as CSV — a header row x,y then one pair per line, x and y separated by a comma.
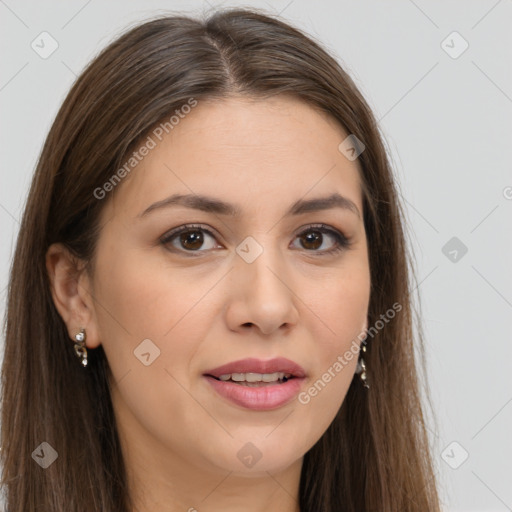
x,y
375,455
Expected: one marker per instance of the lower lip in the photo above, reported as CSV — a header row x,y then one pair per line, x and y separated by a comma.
x,y
261,398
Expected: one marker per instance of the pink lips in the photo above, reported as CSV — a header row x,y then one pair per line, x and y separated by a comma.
x,y
270,396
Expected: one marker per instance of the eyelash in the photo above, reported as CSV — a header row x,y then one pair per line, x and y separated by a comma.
x,y
342,242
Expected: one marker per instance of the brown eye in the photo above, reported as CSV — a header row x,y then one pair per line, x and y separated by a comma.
x,y
312,240
190,239
197,239
315,237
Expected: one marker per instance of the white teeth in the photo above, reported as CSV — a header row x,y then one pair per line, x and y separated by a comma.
x,y
252,377
255,377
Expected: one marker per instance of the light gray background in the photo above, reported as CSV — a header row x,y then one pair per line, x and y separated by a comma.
x,y
448,123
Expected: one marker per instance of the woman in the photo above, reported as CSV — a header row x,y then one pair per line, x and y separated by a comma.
x,y
209,304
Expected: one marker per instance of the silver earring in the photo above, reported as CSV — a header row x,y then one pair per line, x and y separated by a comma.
x,y
361,366
80,349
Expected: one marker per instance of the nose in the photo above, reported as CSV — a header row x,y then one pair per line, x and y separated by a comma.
x,y
261,295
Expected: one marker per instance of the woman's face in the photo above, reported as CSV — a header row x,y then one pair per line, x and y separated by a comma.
x,y
269,282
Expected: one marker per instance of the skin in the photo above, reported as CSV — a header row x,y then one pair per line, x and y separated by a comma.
x,y
179,437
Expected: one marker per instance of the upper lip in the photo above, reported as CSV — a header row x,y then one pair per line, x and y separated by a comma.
x,y
253,365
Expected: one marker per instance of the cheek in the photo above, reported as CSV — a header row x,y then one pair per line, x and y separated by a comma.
x,y
151,322
141,299
339,306
145,298
338,320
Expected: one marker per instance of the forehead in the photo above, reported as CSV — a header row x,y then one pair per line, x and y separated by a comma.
x,y
256,153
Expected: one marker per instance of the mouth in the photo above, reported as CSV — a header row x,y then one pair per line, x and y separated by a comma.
x,y
257,384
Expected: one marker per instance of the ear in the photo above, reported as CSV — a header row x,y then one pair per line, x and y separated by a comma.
x,y
72,293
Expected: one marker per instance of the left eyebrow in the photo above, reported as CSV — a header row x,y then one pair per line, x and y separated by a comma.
x,y
213,205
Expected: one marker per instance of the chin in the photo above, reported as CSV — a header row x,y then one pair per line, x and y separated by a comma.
x,y
257,458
